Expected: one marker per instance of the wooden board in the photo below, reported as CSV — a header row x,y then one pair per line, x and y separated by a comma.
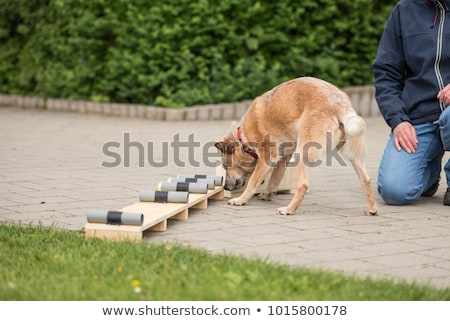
x,y
155,216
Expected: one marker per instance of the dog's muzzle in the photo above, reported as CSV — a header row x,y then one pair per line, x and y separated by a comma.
x,y
236,184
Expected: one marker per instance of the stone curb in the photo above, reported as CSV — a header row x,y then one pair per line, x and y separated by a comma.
x,y
362,97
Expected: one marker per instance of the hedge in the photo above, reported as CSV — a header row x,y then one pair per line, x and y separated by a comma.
x,y
183,52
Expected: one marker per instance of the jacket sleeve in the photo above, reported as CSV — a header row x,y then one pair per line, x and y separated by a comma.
x,y
389,69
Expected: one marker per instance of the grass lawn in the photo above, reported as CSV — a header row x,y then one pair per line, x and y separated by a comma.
x,y
38,263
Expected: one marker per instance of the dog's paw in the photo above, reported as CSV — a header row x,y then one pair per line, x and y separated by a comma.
x,y
371,212
284,211
265,196
236,201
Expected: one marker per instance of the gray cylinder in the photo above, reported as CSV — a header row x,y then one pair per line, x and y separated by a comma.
x,y
210,181
200,188
115,217
164,196
218,180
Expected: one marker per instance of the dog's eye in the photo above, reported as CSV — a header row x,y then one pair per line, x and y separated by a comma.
x,y
225,167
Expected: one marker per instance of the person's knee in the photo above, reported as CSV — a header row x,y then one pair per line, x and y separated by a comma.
x,y
394,193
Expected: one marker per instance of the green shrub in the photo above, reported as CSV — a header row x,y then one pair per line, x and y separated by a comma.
x,y
183,52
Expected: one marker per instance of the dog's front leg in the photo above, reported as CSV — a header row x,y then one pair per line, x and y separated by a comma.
x,y
275,179
255,180
302,188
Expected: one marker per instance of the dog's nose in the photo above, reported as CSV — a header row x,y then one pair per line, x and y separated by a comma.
x,y
239,183
231,186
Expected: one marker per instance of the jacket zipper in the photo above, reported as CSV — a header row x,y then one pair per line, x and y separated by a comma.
x,y
439,51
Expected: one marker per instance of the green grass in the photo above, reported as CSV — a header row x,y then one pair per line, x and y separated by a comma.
x,y
38,263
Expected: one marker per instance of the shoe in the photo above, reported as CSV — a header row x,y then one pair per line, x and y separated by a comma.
x,y
447,197
432,189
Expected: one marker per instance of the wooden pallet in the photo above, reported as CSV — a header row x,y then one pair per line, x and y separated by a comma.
x,y
155,217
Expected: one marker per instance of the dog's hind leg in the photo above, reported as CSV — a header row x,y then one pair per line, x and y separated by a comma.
x,y
302,188
354,150
309,156
367,187
275,178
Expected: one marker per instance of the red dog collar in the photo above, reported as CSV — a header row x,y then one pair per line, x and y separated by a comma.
x,y
245,147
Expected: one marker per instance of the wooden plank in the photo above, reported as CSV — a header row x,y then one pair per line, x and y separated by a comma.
x,y
182,216
218,196
155,216
114,235
201,205
160,227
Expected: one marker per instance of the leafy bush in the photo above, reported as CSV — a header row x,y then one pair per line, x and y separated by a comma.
x,y
183,52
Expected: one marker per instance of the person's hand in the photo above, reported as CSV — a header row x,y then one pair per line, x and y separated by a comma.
x,y
405,137
444,95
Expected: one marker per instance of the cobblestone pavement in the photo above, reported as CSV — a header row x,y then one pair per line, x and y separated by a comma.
x,y
51,173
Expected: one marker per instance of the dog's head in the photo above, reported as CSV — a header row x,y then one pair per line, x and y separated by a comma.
x,y
238,165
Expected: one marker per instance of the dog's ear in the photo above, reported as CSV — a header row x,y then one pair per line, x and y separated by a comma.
x,y
225,148
220,146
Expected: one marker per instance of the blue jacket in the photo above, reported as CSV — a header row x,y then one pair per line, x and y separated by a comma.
x,y
413,62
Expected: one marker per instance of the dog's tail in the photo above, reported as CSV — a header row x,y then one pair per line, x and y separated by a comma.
x,y
353,124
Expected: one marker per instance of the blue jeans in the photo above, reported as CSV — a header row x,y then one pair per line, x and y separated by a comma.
x,y
444,127
403,177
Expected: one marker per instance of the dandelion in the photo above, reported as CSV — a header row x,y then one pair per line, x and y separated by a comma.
x,y
135,283
56,256
119,269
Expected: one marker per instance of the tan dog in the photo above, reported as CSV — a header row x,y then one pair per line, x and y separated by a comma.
x,y
300,116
